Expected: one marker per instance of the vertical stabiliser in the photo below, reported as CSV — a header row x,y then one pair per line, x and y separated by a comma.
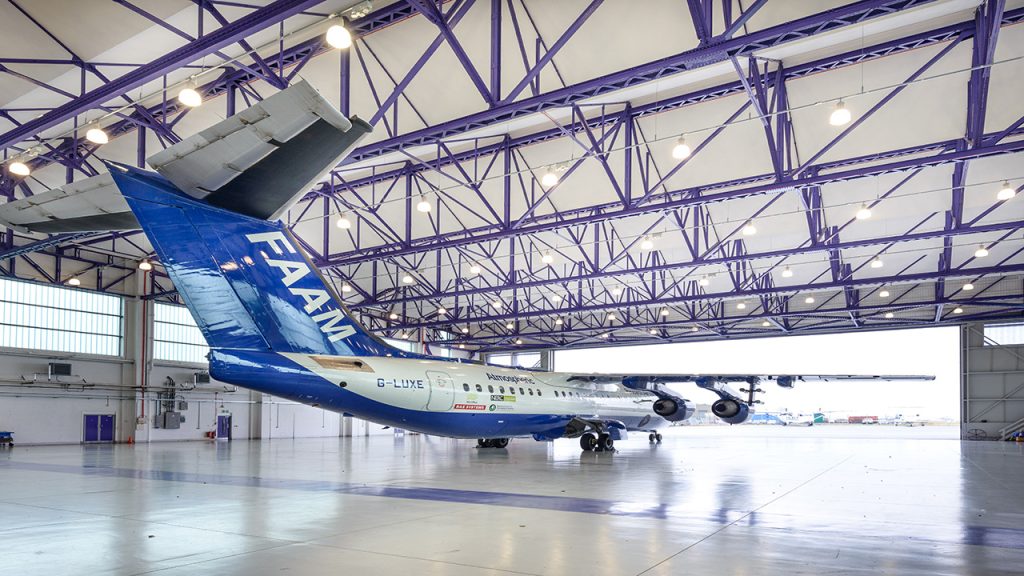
x,y
246,282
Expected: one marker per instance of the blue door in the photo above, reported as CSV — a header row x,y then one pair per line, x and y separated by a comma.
x,y
91,430
224,426
106,428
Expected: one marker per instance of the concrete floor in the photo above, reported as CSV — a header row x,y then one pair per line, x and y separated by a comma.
x,y
710,500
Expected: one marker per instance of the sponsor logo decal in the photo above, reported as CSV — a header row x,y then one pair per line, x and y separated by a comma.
x,y
331,320
470,407
491,407
503,378
500,398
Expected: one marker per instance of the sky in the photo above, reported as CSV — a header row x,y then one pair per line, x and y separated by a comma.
x,y
929,351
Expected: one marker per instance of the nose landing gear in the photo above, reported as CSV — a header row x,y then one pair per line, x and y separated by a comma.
x,y
654,437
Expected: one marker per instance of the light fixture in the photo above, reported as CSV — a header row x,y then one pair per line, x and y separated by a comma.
x,y
96,135
1006,192
509,326
343,222
883,294
681,151
968,287
766,324
346,287
474,269
407,279
653,331
558,321
462,346
958,310
401,335
605,335
441,311
809,300
981,252
339,37
749,229
840,115
741,306
611,316
393,316
190,97
19,168
519,340
145,265
889,314
547,258
864,213
664,312
74,281
694,329
423,205
465,330
876,262
555,298
647,243
787,273
549,179
496,304
704,281
616,291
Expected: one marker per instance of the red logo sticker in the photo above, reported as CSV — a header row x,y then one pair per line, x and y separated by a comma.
x,y
470,407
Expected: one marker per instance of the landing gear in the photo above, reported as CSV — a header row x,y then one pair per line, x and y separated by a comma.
x,y
654,437
605,443
491,442
588,441
591,442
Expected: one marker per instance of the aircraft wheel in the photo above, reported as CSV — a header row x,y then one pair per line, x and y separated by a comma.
x,y
657,437
652,438
605,443
499,442
481,443
588,441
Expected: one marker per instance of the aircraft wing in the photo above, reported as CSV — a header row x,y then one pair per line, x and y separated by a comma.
x,y
785,380
93,204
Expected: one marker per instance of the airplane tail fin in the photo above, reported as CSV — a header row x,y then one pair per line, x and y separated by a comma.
x,y
245,279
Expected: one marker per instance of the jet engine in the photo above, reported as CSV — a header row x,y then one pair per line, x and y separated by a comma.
x,y
730,410
673,409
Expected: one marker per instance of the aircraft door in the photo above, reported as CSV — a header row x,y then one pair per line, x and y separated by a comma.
x,y
442,391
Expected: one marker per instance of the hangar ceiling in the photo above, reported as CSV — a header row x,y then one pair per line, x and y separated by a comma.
x,y
545,139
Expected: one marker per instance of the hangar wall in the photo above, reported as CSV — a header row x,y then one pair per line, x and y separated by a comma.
x,y
992,384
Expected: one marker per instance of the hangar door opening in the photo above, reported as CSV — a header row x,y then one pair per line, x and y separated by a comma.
x,y
929,351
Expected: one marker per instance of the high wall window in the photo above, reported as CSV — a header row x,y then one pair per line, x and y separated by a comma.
x,y
42,317
1004,334
516,360
175,335
404,345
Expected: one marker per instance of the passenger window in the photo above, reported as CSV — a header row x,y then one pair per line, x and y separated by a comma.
x,y
521,393
490,389
479,388
539,392
531,391
465,387
501,389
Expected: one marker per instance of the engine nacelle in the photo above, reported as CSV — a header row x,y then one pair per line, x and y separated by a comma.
x,y
731,411
672,409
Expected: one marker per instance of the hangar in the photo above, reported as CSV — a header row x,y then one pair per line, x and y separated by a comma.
x,y
709,192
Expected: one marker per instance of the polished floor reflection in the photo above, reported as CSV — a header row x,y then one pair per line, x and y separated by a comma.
x,y
711,500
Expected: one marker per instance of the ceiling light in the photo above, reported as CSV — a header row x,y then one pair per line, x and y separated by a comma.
x,y
741,306
423,205
704,281
981,252
1006,192
465,330
339,37
749,229
549,179
462,346
496,303
19,168
647,243
840,115
474,269
876,262
883,294
864,213
653,332
681,151
145,265
787,273
346,287
694,329
441,311
558,321
889,314
968,287
766,324
519,340
74,281
809,300
393,316
555,298
343,222
605,335
401,335
958,310
96,135
190,97
616,291
407,279
547,258
664,312
611,315
509,326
